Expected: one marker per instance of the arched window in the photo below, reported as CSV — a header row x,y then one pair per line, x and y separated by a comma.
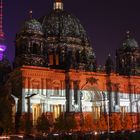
x,y
51,59
34,50
24,48
57,59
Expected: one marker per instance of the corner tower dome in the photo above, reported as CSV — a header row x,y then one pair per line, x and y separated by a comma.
x,y
129,42
30,44
32,26
128,57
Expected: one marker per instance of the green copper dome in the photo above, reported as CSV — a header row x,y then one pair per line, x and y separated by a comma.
x,y
64,26
130,43
61,23
32,25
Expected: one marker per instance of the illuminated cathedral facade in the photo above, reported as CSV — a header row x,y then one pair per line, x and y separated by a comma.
x,y
55,70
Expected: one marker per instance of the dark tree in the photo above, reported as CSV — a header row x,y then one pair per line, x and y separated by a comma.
x,y
43,124
6,114
65,123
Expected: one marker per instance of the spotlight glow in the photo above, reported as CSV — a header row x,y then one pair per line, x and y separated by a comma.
x,y
2,48
1,56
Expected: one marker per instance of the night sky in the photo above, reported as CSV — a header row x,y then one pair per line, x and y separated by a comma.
x,y
105,21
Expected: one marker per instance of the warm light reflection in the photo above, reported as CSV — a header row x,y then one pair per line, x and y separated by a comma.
x,y
96,112
36,112
57,111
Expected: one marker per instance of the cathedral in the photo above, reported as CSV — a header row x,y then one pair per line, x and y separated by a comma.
x,y
55,70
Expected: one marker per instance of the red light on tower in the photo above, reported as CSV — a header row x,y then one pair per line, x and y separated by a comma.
x,y
2,46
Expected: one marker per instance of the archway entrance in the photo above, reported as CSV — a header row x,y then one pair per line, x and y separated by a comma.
x,y
92,101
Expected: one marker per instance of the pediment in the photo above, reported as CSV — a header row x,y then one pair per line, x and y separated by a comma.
x,y
38,96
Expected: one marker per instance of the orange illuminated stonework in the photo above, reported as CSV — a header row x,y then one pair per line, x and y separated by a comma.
x,y
45,78
56,73
58,92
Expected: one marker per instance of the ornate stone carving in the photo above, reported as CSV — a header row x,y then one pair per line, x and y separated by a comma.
x,y
92,80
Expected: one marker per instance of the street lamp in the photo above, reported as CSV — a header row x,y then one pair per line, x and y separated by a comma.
x,y
28,103
28,123
137,107
81,111
106,112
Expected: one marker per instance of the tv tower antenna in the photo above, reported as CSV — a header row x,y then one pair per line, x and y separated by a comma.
x,y
2,46
1,19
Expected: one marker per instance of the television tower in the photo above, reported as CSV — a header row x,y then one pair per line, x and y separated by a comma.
x,y
2,46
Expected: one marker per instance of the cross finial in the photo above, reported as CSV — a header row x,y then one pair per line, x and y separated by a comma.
x,y
127,33
31,13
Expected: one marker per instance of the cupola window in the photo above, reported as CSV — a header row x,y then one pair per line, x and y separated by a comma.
x,y
23,48
34,51
51,59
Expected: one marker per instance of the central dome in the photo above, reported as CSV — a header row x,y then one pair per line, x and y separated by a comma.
x,y
62,27
61,23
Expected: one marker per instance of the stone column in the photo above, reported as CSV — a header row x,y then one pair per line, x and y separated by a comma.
x,y
109,93
77,95
62,89
51,108
68,94
24,91
60,109
46,85
117,98
44,90
29,85
130,97
43,86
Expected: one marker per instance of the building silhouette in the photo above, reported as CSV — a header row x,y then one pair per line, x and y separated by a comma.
x,y
55,62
